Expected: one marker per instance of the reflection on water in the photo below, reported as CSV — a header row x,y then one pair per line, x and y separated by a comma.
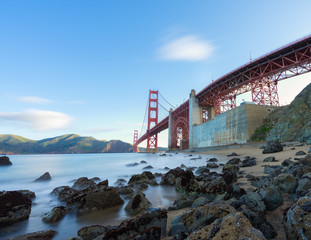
x,y
65,168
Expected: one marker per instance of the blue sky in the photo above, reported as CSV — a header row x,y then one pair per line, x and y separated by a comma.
x,y
86,67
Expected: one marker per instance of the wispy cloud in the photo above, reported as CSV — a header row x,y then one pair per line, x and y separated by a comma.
x,y
33,99
39,120
187,48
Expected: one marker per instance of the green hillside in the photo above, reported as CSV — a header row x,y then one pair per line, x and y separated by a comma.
x,y
69,143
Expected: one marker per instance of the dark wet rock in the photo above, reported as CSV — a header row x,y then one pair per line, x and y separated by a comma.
x,y
199,202
270,159
143,186
178,229
28,193
212,165
215,188
271,196
201,170
273,171
95,179
148,167
288,163
232,155
285,182
120,182
195,158
125,190
83,183
138,179
56,214
183,166
234,161
5,161
297,220
132,164
300,153
158,174
137,204
67,194
234,191
260,181
130,228
14,207
254,200
45,177
230,173
153,182
272,147
297,171
201,216
181,203
93,231
304,184
212,160
56,191
41,235
143,162
259,221
306,161
148,174
248,162
170,177
149,233
162,155
228,227
186,182
166,168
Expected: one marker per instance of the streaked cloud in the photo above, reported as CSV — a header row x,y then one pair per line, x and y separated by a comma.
x,y
33,99
39,120
187,48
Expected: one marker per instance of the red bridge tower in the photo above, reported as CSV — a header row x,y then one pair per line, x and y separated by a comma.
x,y
152,141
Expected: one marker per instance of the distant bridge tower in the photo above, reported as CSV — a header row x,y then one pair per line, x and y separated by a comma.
x,y
152,141
135,148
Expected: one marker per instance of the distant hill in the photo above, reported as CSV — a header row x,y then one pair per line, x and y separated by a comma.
x,y
69,143
289,123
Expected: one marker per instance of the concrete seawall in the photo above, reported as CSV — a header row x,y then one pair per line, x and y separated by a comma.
x,y
232,127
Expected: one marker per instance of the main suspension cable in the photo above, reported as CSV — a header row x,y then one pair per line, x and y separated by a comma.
x,y
166,100
141,130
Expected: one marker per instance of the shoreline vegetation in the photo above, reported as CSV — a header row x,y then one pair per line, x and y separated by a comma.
x,y
263,192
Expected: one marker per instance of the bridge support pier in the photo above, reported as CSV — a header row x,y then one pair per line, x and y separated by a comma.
x,y
195,115
170,129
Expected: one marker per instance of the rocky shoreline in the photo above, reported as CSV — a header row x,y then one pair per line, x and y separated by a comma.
x,y
256,195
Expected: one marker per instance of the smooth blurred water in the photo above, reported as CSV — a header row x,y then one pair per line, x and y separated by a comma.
x,y
64,168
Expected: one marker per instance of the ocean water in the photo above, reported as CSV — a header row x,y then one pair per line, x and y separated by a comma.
x,y
65,168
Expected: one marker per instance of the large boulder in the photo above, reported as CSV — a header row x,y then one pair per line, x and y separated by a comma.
x,y
214,188
306,161
230,173
138,179
14,207
254,201
232,226
93,231
45,177
133,227
304,184
271,196
297,220
5,161
186,182
273,147
56,214
83,183
137,204
201,216
285,182
259,221
41,235
170,177
248,162
98,199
